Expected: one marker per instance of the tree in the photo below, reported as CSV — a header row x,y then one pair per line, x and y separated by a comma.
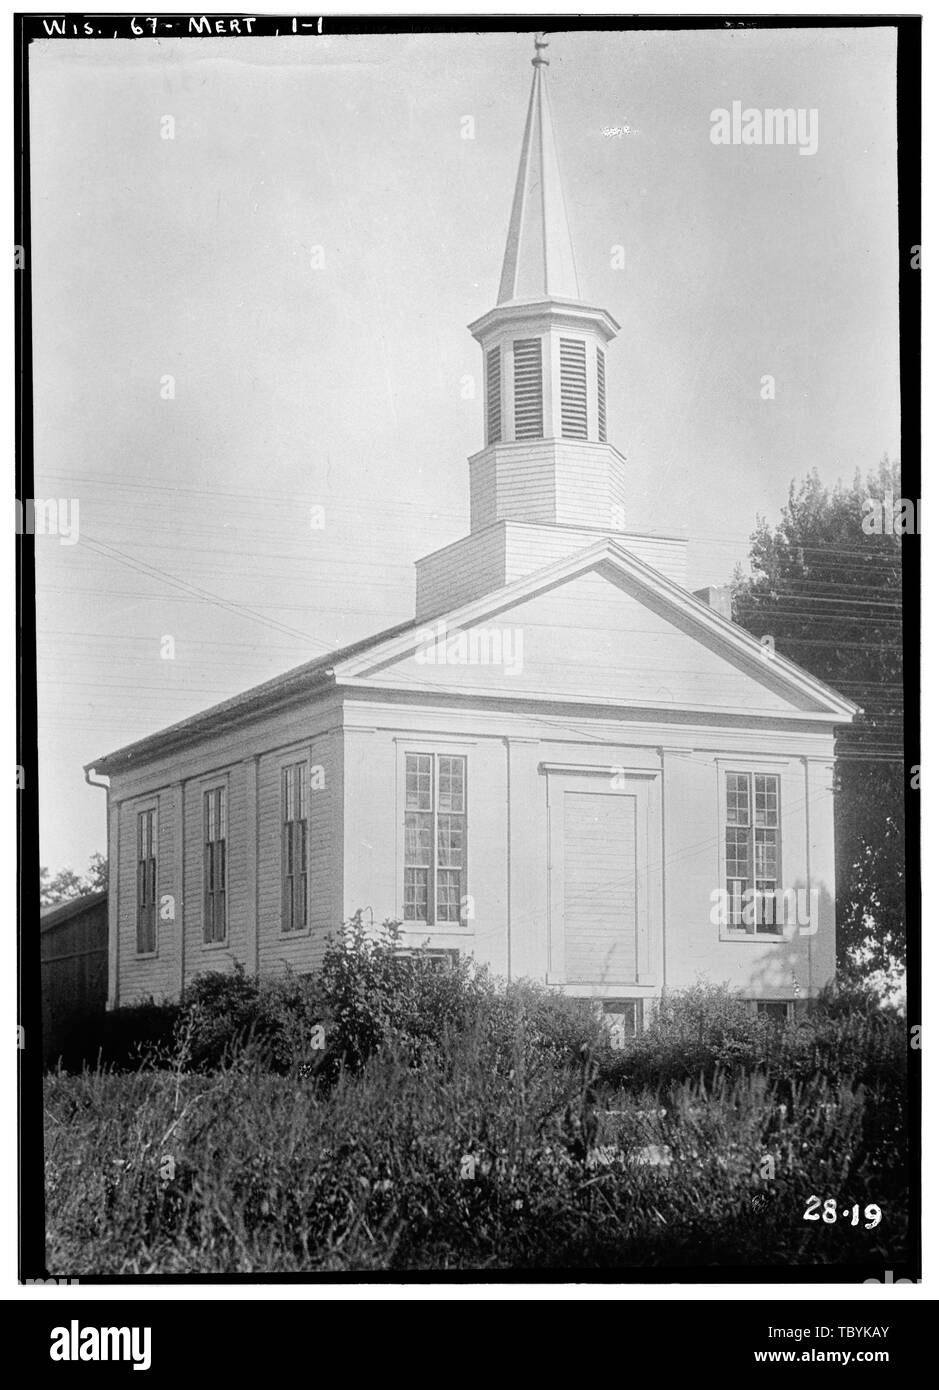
x,y
67,884
829,592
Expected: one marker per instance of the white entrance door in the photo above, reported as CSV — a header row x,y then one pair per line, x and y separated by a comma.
x,y
600,888
604,889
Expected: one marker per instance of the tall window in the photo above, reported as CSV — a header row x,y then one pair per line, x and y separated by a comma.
x,y
215,834
294,802
146,882
573,388
493,396
434,837
752,850
529,408
601,395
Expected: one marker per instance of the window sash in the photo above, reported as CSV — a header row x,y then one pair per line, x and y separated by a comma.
x,y
215,866
751,851
434,838
295,847
146,883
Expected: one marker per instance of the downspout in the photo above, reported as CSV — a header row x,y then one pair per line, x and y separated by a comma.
x,y
105,787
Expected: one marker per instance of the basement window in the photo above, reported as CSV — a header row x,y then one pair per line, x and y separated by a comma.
x,y
776,1010
622,1018
432,959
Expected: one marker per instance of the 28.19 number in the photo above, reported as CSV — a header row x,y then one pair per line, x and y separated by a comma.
x,y
829,1212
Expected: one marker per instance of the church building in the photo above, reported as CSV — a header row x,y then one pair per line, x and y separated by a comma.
x,y
566,764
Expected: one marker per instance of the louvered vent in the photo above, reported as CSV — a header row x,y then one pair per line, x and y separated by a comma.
x,y
601,394
493,396
573,388
529,409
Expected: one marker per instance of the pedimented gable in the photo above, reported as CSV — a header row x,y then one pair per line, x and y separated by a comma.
x,y
604,631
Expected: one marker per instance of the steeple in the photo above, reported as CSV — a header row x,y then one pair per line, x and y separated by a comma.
x,y
546,482
539,256
544,360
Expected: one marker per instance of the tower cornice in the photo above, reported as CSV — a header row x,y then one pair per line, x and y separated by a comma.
x,y
573,313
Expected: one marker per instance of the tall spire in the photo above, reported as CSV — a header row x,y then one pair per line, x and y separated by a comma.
x,y
539,256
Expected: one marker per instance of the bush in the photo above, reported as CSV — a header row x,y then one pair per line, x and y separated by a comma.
x,y
226,1015
122,1039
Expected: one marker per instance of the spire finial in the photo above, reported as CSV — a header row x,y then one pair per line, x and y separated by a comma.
x,y
541,43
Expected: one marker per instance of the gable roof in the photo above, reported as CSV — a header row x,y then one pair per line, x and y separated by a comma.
x,y
52,917
360,663
294,684
610,555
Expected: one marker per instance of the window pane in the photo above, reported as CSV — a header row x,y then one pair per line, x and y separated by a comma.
x,y
419,782
222,821
418,838
303,787
765,800
450,842
738,853
449,892
450,793
738,798
766,854
736,887
415,895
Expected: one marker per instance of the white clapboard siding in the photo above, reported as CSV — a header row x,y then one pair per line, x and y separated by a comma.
x,y
599,887
487,559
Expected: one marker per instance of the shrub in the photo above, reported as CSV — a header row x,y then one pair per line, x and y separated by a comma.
x,y
375,998
122,1039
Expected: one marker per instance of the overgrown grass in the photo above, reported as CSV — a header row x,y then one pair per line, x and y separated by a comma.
x,y
453,1123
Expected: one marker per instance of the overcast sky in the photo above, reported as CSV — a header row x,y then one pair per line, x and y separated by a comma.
x,y
344,386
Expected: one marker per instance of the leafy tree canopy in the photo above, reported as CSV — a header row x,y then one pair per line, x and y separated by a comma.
x,y
828,589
